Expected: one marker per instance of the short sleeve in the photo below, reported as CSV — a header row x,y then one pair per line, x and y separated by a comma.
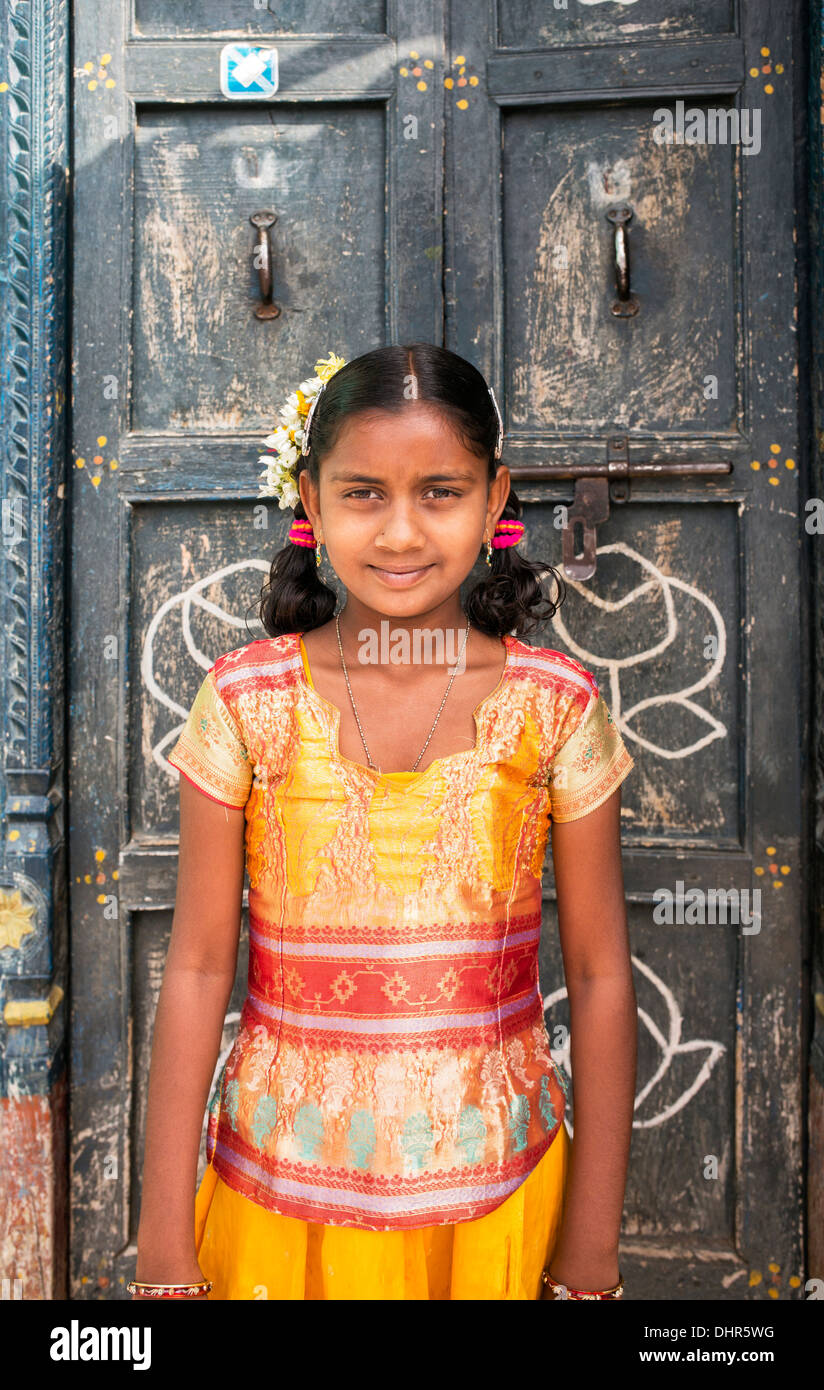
x,y
210,750
589,765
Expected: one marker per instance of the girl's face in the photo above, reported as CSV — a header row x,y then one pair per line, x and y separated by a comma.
x,y
402,509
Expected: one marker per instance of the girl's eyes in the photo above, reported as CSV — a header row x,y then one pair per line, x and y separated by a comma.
x,y
360,492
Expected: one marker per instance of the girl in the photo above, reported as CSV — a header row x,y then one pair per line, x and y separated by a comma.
x,y
389,1123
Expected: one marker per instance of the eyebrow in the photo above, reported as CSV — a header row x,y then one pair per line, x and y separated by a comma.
x,y
456,477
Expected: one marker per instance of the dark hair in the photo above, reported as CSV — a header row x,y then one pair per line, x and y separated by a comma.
x,y
511,597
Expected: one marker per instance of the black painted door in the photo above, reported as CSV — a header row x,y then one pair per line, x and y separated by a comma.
x,y
176,382
692,620
444,173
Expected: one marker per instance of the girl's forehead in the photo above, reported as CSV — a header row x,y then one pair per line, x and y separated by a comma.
x,y
405,415
410,425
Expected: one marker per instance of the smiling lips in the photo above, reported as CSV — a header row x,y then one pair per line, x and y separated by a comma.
x,y
400,578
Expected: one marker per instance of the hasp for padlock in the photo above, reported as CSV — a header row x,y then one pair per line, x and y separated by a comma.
x,y
590,508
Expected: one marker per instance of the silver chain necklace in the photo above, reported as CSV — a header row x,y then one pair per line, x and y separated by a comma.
x,y
355,709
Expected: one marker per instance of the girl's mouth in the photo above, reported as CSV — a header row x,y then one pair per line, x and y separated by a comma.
x,y
400,578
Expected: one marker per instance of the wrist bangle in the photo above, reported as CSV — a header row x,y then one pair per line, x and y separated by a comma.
x,y
169,1290
564,1290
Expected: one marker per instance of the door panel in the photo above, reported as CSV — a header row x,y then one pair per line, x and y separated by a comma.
x,y
542,23
175,382
657,627
690,621
199,569
685,1081
572,365
200,174
257,17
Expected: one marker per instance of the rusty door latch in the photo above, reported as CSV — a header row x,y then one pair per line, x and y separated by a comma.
x,y
596,485
590,508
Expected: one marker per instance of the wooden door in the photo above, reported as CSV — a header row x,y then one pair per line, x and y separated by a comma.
x,y
692,621
478,147
175,383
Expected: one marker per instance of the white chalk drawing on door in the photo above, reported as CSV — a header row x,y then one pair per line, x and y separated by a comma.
x,y
186,600
666,583
669,1040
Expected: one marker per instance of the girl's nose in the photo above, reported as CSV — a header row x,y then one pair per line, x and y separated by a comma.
x,y
400,528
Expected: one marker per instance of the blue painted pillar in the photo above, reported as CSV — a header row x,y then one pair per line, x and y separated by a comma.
x,y
34,112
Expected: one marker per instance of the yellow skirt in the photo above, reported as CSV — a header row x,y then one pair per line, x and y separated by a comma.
x,y
251,1253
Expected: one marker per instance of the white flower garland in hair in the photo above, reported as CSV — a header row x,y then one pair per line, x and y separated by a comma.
x,y
278,478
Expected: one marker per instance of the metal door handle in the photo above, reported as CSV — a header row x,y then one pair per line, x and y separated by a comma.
x,y
626,305
263,261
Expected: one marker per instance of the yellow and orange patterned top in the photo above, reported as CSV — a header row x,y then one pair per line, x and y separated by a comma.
x,y
392,1066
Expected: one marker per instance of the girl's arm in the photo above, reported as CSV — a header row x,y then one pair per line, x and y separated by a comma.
x,y
603,1026
197,985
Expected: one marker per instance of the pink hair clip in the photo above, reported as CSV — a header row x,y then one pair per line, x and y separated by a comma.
x,y
507,533
301,533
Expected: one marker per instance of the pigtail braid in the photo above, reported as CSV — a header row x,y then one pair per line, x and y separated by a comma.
x,y
512,597
295,598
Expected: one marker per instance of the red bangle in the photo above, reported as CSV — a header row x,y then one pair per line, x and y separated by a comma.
x,y
169,1290
564,1290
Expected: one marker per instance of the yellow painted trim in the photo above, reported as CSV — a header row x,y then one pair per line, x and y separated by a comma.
x,y
25,1012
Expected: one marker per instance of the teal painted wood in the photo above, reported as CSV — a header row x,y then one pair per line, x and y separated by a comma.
x,y
33,371
34,156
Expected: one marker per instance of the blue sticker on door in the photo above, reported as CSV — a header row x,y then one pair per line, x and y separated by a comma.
x,y
248,70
